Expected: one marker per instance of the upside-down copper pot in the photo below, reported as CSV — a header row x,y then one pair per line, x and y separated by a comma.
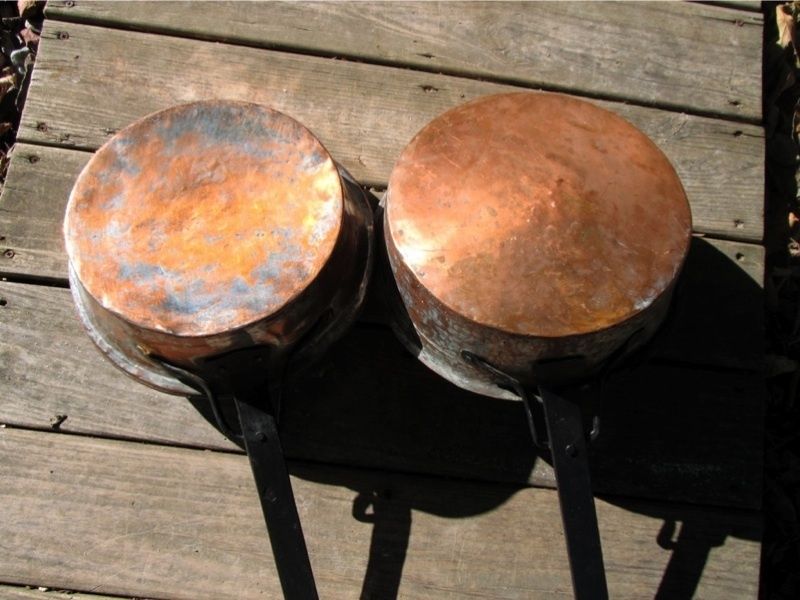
x,y
535,240
533,230
213,227
213,248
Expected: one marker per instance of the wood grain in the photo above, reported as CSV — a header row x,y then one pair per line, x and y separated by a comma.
x,y
123,518
8,592
183,524
365,114
32,205
49,367
751,5
696,432
681,56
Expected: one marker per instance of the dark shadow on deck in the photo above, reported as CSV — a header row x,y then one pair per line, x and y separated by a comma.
x,y
672,432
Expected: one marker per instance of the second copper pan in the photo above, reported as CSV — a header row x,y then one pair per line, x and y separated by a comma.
x,y
529,228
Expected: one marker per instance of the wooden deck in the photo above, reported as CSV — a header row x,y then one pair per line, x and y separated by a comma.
x,y
407,487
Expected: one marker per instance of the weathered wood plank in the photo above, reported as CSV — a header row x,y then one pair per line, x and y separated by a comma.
x,y
32,205
676,55
751,5
49,367
8,592
365,114
696,433
133,519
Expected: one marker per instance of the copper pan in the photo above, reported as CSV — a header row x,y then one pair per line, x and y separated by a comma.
x,y
213,227
536,231
212,247
535,240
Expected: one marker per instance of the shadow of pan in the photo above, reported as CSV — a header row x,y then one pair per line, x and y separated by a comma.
x,y
672,431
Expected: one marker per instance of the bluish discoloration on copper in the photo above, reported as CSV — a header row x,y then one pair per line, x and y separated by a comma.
x,y
209,192
120,345
312,161
203,252
140,271
193,299
114,202
218,125
121,163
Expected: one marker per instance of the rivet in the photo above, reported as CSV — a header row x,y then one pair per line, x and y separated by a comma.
x,y
571,450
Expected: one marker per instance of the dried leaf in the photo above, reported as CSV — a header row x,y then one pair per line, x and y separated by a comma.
x,y
29,8
30,37
18,57
779,365
786,26
7,83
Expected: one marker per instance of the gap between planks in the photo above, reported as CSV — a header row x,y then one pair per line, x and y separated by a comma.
x,y
32,592
748,5
343,412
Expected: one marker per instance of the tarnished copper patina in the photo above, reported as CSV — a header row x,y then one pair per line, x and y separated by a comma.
x,y
530,227
211,227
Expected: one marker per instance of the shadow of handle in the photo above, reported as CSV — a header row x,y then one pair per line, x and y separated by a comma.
x,y
391,523
688,559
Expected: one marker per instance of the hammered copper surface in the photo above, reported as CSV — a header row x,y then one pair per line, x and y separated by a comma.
x,y
204,218
536,214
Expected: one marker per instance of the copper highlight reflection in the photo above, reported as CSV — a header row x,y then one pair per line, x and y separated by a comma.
x,y
204,218
537,214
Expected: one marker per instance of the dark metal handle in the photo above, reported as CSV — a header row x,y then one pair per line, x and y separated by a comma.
x,y
569,453
199,384
566,440
257,406
264,451
531,402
